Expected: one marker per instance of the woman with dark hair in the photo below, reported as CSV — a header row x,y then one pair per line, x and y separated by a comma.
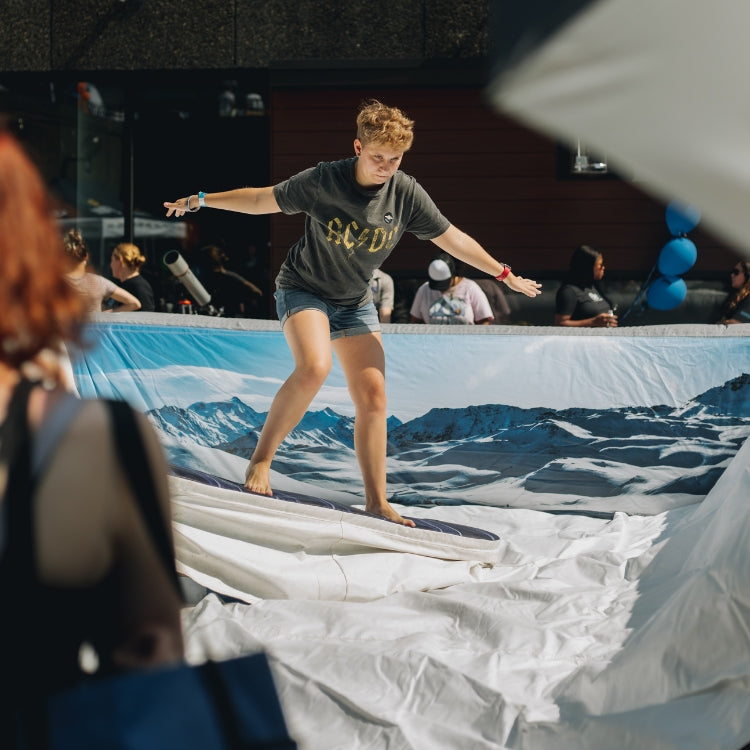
x,y
95,289
76,557
736,307
580,302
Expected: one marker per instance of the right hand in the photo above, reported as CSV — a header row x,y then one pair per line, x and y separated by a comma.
x,y
605,320
178,207
524,286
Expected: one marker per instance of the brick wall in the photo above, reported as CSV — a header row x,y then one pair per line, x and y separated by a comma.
x,y
494,179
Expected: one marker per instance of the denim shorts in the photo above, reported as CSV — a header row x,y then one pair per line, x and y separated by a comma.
x,y
344,320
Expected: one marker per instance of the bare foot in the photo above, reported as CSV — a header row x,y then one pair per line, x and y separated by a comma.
x,y
257,479
386,511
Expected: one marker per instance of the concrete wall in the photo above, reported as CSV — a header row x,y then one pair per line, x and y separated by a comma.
x,y
94,35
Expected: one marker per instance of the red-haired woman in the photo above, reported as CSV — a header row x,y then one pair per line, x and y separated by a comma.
x,y
76,559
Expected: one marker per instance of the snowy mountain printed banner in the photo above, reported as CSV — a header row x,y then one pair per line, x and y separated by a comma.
x,y
596,424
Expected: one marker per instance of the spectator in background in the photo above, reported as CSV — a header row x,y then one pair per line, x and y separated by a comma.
x,y
126,263
229,291
383,296
252,266
449,299
95,289
228,99
493,290
736,307
580,302
72,540
90,100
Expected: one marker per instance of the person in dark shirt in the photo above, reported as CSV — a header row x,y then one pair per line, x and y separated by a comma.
x,y
229,291
580,302
126,264
356,211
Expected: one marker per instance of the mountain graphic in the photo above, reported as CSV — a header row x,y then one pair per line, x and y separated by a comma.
x,y
500,454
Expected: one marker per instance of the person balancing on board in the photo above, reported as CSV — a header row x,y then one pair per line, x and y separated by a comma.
x,y
357,210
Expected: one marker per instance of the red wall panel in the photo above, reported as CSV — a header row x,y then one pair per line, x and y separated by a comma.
x,y
491,177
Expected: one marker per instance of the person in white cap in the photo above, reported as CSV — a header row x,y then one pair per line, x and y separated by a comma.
x,y
357,210
450,299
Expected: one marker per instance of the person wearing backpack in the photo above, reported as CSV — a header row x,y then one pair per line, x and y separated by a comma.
x,y
87,594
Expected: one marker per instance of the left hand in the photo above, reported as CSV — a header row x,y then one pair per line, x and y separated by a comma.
x,y
520,284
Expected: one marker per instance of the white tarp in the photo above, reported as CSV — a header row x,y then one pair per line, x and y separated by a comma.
x,y
587,634
253,547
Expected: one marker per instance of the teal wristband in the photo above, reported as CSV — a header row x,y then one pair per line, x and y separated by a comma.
x,y
201,199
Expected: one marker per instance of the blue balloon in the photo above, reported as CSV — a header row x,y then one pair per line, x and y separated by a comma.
x,y
666,293
681,218
677,256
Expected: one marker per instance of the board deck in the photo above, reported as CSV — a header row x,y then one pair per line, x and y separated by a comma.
x,y
428,524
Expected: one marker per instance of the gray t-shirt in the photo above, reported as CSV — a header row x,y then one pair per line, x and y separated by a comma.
x,y
349,231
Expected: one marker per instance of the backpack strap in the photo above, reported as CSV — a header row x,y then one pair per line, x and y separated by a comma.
x,y
131,452
18,548
26,460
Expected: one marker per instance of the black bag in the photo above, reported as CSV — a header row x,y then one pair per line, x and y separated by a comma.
x,y
215,706
225,705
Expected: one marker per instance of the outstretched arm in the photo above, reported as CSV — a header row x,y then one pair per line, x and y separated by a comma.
x,y
242,200
126,300
254,289
460,245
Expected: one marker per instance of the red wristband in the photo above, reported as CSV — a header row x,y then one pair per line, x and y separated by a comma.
x,y
505,272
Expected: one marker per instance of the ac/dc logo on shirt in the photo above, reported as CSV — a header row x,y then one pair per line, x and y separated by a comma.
x,y
353,238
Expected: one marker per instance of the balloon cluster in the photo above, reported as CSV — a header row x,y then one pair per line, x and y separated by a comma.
x,y
676,257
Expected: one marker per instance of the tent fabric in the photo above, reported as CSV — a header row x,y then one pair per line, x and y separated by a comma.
x,y
653,85
517,30
592,627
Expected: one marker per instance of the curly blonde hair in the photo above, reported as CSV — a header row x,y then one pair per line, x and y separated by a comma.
x,y
40,309
389,126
